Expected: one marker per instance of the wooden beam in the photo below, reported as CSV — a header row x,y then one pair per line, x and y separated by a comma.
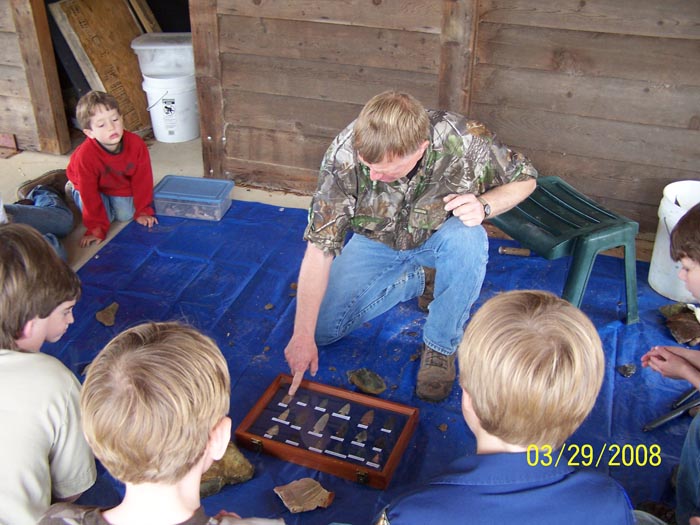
x,y
42,76
145,16
207,60
456,54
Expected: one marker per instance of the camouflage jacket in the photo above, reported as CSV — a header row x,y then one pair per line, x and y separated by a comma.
x,y
462,157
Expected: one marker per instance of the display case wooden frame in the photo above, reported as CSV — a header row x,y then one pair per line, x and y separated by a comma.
x,y
344,433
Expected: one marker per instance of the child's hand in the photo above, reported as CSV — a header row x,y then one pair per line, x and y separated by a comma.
x,y
146,220
89,239
666,361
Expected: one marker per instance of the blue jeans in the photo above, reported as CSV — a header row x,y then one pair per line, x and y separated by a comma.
x,y
369,278
688,481
117,208
49,214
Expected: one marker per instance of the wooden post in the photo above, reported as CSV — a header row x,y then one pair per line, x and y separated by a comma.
x,y
42,76
205,43
459,19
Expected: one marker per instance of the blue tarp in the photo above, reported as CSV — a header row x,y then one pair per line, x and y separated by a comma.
x,y
234,280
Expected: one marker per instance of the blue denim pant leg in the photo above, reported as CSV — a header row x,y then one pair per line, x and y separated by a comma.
x,y
688,481
48,214
368,278
459,255
117,208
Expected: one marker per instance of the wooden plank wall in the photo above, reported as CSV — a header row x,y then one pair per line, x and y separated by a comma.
x,y
31,105
604,94
293,75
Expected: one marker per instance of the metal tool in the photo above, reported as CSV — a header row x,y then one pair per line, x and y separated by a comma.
x,y
673,414
685,396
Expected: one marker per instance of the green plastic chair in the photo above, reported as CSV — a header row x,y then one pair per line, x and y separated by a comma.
x,y
556,220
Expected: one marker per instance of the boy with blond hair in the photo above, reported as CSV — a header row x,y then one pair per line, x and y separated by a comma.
x,y
682,363
155,403
531,365
109,174
43,453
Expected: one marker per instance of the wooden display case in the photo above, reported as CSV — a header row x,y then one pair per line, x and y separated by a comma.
x,y
344,433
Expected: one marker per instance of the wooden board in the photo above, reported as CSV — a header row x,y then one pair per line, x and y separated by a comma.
x,y
145,16
623,100
404,15
316,80
356,45
344,433
578,53
104,51
670,18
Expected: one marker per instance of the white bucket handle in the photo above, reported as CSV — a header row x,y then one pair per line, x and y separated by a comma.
x,y
668,230
156,102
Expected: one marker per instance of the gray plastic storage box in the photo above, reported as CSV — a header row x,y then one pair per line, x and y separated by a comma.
x,y
192,197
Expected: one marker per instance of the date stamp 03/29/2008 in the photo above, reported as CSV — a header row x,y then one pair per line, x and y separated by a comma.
x,y
586,455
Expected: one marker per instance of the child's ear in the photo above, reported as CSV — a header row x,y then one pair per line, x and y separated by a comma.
x,y
88,133
219,438
25,340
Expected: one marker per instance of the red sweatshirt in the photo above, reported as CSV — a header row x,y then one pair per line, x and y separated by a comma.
x,y
94,170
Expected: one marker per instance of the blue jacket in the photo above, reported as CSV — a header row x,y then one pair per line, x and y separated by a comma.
x,y
504,489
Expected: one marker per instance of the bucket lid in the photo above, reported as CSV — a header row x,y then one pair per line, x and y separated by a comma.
x,y
683,193
162,40
168,81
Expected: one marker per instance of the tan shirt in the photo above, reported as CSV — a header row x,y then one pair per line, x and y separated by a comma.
x,y
42,449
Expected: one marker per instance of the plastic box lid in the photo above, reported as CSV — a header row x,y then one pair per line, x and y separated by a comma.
x,y
197,189
161,40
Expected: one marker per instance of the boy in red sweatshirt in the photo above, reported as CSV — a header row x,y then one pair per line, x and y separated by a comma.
x,y
110,176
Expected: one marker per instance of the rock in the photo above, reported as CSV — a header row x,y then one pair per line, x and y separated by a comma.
x,y
367,381
684,327
627,370
303,495
107,315
231,469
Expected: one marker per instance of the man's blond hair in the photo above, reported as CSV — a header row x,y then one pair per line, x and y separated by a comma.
x,y
533,365
391,125
33,281
90,103
150,400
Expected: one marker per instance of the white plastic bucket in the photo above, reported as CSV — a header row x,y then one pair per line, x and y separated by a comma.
x,y
678,198
172,103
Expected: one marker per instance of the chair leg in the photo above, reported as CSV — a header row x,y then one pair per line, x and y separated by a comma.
x,y
631,282
582,258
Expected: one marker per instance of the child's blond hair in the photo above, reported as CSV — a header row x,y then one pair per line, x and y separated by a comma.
x,y
151,398
34,280
532,364
89,104
391,125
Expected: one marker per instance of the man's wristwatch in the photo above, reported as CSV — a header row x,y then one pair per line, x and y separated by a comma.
x,y
486,205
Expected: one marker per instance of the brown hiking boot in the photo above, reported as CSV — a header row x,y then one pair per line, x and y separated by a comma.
x,y
54,179
427,297
436,375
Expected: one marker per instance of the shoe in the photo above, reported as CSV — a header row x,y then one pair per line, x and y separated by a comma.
x,y
54,179
427,297
436,375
